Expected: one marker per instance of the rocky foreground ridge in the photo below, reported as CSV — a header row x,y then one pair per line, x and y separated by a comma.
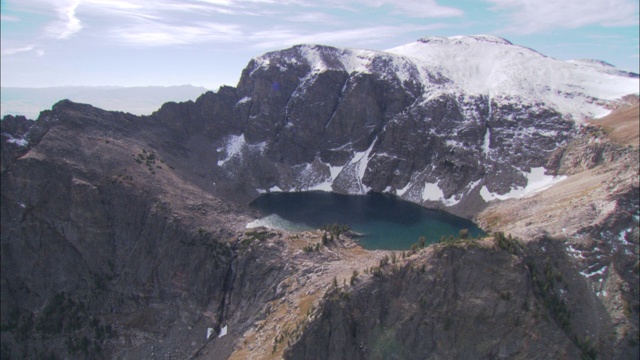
x,y
123,236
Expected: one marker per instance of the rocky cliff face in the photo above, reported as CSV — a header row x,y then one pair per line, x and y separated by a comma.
x,y
105,249
123,236
594,211
409,121
465,300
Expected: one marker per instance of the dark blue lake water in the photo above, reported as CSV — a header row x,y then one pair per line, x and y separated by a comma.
x,y
386,221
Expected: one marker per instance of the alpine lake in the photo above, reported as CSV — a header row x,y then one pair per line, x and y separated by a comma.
x,y
383,221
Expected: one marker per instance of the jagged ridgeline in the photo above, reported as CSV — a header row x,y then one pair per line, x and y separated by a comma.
x,y
124,236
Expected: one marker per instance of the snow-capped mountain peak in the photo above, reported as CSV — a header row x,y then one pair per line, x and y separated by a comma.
x,y
478,65
492,66
465,39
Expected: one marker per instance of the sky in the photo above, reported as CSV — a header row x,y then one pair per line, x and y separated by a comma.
x,y
207,43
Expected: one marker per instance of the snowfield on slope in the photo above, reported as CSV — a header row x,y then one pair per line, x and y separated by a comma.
x,y
536,181
488,65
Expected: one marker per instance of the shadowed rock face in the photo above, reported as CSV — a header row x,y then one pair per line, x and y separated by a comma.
x,y
123,236
456,303
97,230
289,125
465,301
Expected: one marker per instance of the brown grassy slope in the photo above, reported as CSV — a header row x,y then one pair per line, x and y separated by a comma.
x,y
588,195
622,126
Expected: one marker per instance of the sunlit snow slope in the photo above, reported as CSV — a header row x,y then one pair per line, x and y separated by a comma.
x,y
493,66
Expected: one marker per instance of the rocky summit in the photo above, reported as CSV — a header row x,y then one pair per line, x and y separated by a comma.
x,y
124,237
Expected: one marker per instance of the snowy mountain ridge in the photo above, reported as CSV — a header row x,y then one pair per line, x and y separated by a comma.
x,y
481,65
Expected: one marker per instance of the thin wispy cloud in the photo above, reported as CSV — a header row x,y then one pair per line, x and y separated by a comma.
x,y
532,16
422,8
157,34
13,51
217,2
9,18
412,8
123,13
172,22
605,37
67,23
287,37
313,17
23,49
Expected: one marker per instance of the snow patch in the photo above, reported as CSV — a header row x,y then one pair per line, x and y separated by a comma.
x,y
272,189
327,185
360,161
309,178
323,186
364,162
576,254
313,57
357,61
487,142
209,332
622,237
453,200
335,171
22,142
243,100
537,181
431,192
593,273
453,143
349,60
223,331
233,147
473,185
277,222
401,192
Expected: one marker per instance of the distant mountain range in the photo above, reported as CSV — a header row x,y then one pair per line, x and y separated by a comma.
x,y
139,100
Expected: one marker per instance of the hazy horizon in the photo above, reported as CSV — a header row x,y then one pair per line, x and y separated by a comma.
x,y
138,100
